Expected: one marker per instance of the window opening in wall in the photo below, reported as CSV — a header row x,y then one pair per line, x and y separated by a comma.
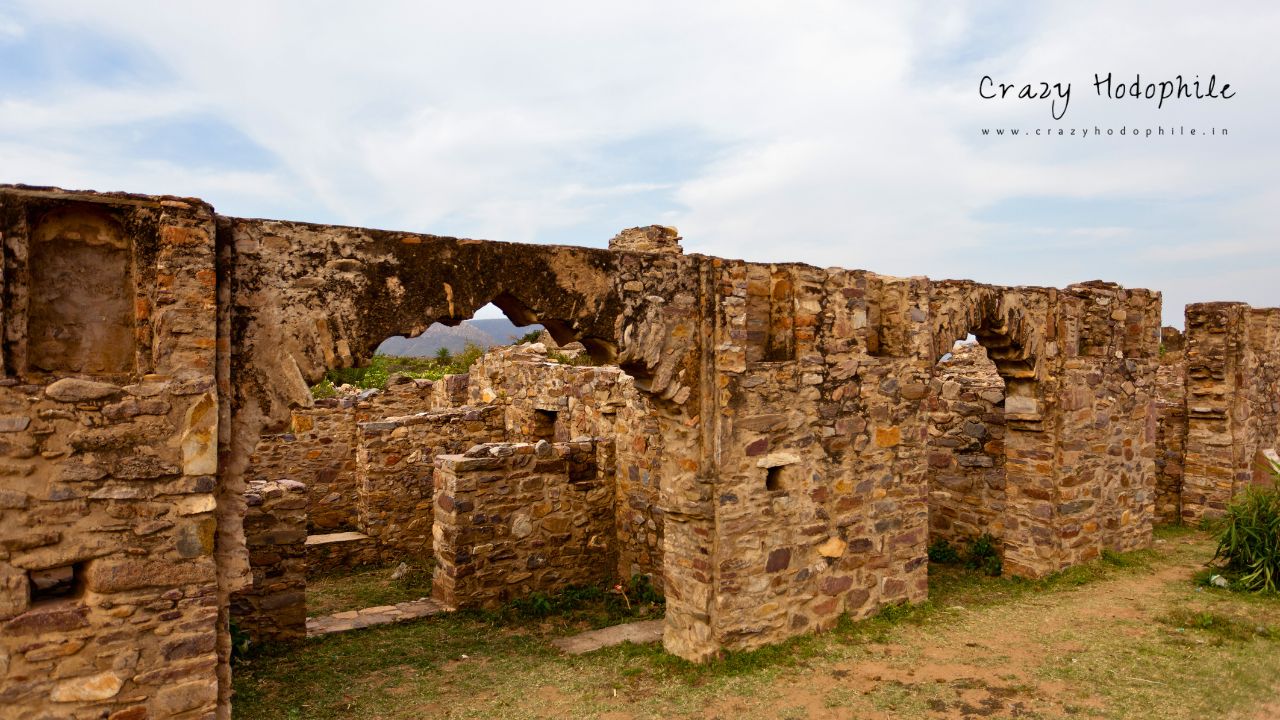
x,y
544,424
54,583
773,478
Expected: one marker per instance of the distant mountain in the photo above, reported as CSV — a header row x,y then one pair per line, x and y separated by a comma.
x,y
502,330
486,333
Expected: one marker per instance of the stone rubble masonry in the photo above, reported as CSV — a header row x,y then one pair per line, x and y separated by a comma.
x,y
1171,425
274,606
109,423
781,418
650,239
518,518
966,448
518,393
395,469
1232,404
550,400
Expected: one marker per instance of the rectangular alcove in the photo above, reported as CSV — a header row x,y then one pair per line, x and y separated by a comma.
x,y
81,316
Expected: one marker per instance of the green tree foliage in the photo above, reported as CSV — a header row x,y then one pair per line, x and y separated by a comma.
x,y
382,367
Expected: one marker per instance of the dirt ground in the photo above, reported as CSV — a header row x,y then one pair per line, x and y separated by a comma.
x,y
1033,658
1141,642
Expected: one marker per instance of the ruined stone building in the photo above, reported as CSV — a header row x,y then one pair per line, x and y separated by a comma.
x,y
774,443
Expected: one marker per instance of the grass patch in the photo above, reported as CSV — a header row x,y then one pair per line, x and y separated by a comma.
x,y
1219,626
1198,654
367,587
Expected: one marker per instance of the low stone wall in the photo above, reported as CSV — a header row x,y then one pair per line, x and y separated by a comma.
x,y
319,449
966,448
333,553
639,517
546,399
274,606
554,401
395,467
319,452
513,519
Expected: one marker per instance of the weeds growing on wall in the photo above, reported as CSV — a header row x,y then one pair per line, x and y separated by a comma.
x,y
1249,539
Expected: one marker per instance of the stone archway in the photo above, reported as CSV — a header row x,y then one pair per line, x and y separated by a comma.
x,y
304,299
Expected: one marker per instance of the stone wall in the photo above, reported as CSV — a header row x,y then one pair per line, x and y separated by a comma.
x,y
639,517
395,467
319,452
1171,425
109,415
319,448
551,400
1232,402
787,426
821,485
517,518
966,448
274,606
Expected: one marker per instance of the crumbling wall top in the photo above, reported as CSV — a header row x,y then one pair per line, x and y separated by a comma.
x,y
650,239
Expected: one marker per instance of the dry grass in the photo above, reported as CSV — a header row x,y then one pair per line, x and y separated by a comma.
x,y
1130,636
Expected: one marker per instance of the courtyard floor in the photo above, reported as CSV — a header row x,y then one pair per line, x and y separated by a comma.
x,y
1130,636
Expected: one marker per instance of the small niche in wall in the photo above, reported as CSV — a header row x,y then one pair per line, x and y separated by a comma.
x,y
544,424
770,316
780,472
54,583
81,315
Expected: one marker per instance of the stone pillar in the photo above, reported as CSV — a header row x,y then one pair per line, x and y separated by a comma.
x,y
274,607
1214,359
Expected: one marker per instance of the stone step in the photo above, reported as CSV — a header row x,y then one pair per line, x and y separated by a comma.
x,y
334,552
641,632
337,537
373,616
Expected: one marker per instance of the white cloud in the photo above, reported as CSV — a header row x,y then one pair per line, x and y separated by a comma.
x,y
843,134
11,29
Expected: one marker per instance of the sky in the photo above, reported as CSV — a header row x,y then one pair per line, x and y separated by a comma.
x,y
834,133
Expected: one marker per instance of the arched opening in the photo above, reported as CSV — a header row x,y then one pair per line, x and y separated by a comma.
x,y
490,326
999,504
966,459
389,501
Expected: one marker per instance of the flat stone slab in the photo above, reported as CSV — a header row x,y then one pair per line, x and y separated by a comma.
x,y
644,631
335,538
369,617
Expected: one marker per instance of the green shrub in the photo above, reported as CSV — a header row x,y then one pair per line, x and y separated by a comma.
x,y
241,643
1249,539
643,591
983,554
324,389
942,551
382,367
